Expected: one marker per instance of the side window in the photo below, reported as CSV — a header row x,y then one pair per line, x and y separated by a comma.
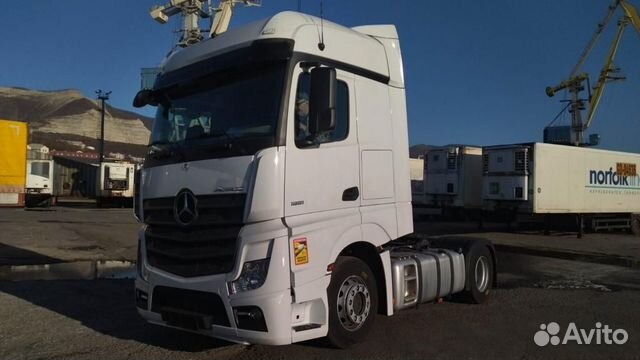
x,y
302,136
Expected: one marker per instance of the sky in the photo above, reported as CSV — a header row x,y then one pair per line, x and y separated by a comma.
x,y
475,70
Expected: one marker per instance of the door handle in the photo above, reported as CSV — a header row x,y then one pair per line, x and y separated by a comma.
x,y
351,194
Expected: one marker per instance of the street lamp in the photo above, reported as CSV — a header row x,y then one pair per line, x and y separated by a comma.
x,y
102,96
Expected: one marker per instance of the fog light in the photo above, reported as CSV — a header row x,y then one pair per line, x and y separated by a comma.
x,y
142,299
253,275
250,318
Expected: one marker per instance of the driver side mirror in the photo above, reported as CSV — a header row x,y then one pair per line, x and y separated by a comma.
x,y
145,97
322,102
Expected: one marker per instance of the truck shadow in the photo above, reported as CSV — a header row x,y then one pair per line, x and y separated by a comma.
x,y
11,255
106,306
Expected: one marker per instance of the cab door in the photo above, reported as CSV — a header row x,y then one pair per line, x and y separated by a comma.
x,y
322,184
323,176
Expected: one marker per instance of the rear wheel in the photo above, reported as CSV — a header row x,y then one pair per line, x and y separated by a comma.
x,y
479,275
353,302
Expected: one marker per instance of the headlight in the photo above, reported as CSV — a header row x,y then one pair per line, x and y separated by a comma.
x,y
143,272
253,275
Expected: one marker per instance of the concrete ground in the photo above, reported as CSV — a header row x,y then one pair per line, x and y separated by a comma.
x,y
87,319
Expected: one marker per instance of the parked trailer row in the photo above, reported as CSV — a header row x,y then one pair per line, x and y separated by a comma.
x,y
445,180
600,188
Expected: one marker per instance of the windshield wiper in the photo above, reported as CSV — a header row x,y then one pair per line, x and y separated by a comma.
x,y
164,149
231,141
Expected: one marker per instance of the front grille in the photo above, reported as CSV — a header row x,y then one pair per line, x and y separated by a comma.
x,y
207,246
189,308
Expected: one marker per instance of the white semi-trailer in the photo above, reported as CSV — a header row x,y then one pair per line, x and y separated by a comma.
x,y
115,183
538,178
449,182
454,177
275,195
39,184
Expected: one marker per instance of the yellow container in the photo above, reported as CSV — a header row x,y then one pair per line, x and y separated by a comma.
x,y
13,162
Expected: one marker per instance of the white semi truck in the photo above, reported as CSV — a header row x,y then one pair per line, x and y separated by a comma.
x,y
275,195
115,184
536,178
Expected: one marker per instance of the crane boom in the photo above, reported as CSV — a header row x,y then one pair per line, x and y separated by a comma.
x,y
605,76
594,39
575,80
632,14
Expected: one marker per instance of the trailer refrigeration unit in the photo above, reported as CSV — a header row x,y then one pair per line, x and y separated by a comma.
x,y
115,184
600,186
270,214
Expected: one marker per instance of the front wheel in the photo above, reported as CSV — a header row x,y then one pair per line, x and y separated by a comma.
x,y
353,302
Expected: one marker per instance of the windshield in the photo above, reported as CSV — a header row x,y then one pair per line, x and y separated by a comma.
x,y
225,110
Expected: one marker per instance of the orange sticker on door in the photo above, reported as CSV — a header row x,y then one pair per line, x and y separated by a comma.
x,y
301,251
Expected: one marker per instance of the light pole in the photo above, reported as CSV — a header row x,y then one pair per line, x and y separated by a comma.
x,y
102,96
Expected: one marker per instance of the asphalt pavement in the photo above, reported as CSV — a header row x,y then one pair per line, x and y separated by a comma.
x,y
97,319
88,319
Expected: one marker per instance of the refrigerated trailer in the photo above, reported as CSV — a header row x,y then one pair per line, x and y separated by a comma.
x,y
115,184
276,196
454,177
450,181
539,178
39,184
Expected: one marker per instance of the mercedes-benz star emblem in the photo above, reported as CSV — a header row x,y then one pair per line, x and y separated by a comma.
x,y
185,207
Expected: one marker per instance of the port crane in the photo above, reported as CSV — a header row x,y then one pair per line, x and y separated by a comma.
x,y
576,80
194,10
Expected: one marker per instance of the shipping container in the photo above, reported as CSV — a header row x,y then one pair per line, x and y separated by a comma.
x,y
13,162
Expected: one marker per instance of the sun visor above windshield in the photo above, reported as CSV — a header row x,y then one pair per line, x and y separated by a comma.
x,y
258,51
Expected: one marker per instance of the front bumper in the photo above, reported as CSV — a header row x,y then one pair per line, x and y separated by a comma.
x,y
275,307
273,299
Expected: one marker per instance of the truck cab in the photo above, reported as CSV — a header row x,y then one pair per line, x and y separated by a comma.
x,y
276,174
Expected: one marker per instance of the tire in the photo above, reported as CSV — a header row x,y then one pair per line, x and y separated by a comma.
x,y
353,302
480,275
635,224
